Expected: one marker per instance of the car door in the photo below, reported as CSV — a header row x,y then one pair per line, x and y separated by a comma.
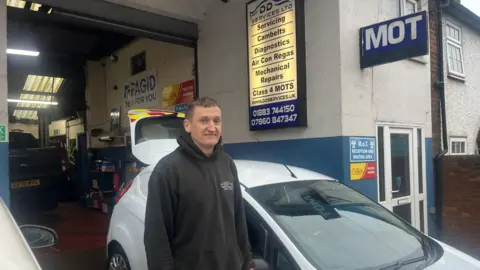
x,y
265,244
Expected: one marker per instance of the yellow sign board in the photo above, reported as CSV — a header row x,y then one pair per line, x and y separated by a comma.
x,y
362,171
272,52
276,64
23,184
178,93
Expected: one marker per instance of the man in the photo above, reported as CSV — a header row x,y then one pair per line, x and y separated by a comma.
x,y
195,218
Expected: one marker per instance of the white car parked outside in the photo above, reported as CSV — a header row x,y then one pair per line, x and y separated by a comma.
x,y
17,242
297,219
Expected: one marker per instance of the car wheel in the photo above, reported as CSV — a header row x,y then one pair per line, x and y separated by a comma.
x,y
118,260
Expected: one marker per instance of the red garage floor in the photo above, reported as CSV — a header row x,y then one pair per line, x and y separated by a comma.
x,y
82,237
77,228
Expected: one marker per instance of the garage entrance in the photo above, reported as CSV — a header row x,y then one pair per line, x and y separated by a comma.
x,y
74,72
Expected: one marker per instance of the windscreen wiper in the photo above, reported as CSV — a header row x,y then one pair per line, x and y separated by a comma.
x,y
399,265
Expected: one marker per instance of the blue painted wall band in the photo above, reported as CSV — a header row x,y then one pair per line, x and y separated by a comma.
x,y
4,176
329,156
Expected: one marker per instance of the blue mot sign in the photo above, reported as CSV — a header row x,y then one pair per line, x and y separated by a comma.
x,y
394,40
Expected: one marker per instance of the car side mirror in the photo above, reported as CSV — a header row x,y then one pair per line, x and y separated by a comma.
x,y
39,236
260,264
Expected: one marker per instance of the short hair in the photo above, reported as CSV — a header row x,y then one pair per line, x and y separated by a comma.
x,y
205,102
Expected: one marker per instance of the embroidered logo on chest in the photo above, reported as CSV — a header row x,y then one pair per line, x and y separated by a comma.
x,y
226,185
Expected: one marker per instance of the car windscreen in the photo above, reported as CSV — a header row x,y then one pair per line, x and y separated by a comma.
x,y
156,128
19,140
336,227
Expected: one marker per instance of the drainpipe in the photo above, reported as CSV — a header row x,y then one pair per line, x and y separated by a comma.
x,y
440,85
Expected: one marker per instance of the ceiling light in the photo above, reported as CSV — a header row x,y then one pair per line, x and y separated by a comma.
x,y
35,6
44,84
35,98
32,101
23,52
26,114
16,3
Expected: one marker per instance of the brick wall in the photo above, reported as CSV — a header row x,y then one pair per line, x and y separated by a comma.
x,y
436,120
461,203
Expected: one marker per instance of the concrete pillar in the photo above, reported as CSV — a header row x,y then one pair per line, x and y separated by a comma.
x,y
4,176
43,128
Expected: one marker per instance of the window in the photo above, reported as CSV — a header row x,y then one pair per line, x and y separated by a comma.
x,y
156,128
20,140
322,217
454,50
257,233
458,146
257,237
408,7
281,262
138,63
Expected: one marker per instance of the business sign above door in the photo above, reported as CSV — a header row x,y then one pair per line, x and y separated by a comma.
x,y
394,40
276,64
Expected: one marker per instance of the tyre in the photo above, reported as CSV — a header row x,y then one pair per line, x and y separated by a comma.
x,y
118,259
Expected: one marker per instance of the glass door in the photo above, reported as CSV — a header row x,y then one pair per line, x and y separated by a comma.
x,y
401,174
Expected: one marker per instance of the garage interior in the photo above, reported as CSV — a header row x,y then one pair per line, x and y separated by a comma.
x,y
66,77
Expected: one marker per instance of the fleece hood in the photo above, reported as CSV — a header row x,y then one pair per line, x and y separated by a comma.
x,y
188,146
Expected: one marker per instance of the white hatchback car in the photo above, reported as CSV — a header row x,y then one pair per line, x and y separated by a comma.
x,y
297,219
18,241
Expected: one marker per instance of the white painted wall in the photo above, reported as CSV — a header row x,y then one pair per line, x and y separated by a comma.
x,y
188,10
396,92
27,128
173,64
223,70
59,125
74,127
462,97
342,99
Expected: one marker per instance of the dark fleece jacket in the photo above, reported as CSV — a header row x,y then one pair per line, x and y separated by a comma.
x,y
194,216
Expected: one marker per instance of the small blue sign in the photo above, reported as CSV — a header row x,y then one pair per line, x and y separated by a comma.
x,y
362,149
181,107
394,40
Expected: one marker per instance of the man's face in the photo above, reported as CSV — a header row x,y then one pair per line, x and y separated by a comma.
x,y
205,126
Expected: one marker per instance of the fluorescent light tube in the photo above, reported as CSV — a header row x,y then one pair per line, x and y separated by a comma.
x,y
23,52
32,101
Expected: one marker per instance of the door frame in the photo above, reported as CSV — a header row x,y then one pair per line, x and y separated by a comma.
x,y
418,173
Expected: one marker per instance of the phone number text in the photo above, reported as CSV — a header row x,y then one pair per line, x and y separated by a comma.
x,y
280,119
274,110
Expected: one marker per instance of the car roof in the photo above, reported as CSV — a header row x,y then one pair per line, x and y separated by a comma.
x,y
253,173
